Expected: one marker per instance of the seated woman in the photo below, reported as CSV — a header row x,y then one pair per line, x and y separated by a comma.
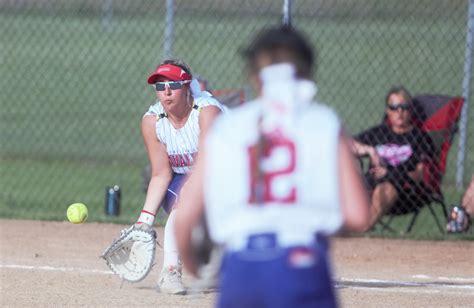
x,y
397,150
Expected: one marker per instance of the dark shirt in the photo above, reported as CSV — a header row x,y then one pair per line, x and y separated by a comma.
x,y
398,151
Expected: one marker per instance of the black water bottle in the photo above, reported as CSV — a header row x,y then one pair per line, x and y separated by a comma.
x,y
112,200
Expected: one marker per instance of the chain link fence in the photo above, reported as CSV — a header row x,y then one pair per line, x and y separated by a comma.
x,y
73,81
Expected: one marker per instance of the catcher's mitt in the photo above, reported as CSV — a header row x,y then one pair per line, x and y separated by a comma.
x,y
131,256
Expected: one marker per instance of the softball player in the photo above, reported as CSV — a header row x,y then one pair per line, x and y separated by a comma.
x,y
275,177
171,129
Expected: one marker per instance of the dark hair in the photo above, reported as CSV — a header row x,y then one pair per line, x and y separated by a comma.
x,y
402,91
282,44
179,63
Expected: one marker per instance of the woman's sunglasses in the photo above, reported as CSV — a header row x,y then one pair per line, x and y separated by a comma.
x,y
395,107
173,85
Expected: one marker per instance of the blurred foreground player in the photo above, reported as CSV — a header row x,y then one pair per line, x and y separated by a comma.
x,y
274,179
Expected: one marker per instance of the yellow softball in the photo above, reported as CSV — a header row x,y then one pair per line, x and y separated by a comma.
x,y
77,213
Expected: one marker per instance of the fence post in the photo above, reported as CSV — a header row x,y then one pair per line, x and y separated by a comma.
x,y
169,26
465,93
107,15
286,12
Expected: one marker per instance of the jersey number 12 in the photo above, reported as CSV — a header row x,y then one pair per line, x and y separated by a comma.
x,y
272,166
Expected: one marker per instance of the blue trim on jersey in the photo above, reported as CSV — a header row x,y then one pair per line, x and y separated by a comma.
x,y
172,194
264,275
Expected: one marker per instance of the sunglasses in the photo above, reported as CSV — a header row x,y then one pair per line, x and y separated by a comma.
x,y
173,85
398,106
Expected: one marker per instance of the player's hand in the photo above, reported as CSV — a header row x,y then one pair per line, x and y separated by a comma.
x,y
131,256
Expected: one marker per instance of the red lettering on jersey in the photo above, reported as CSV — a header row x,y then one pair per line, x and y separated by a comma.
x,y
172,159
262,178
186,160
182,160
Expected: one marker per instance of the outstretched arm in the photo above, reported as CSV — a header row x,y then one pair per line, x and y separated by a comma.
x,y
191,202
189,213
468,198
161,173
353,195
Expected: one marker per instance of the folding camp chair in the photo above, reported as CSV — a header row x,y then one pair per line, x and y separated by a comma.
x,y
437,115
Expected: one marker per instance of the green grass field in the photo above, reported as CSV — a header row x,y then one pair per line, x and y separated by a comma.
x,y
73,92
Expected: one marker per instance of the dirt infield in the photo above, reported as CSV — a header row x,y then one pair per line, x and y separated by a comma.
x,y
51,264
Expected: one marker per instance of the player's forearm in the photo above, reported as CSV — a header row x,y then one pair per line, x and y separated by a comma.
x,y
190,211
183,240
354,199
184,225
360,149
156,192
468,198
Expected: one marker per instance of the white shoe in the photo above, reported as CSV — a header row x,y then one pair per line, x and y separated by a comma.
x,y
170,281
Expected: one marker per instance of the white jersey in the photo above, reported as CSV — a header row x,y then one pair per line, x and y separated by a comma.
x,y
181,144
300,177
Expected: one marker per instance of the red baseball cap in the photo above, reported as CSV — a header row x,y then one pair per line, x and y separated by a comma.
x,y
170,71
